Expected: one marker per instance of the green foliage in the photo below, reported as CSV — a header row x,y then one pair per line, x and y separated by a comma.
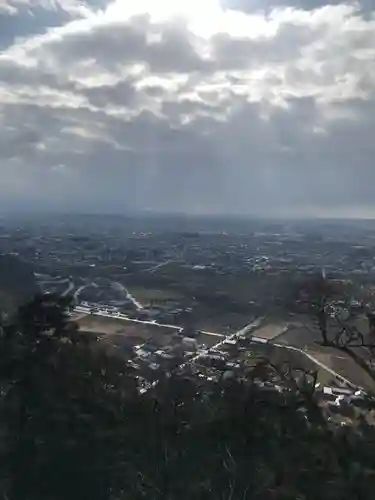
x,y
74,426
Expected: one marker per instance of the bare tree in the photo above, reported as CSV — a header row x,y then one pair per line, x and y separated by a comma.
x,y
337,310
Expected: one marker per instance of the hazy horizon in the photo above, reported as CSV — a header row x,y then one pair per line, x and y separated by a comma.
x,y
144,214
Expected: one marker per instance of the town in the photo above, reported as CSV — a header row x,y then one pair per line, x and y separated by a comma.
x,y
202,298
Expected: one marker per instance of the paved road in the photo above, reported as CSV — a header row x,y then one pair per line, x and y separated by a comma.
x,y
158,266
78,291
124,317
255,324
87,310
213,334
81,288
319,363
70,288
233,336
121,288
247,328
59,281
43,277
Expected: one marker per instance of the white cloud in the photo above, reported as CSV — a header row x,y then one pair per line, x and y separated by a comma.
x,y
249,112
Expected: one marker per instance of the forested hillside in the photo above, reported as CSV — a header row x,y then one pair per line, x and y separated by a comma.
x,y
74,426
17,282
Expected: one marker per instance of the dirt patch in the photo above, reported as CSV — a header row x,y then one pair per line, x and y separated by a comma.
x,y
209,340
270,331
344,365
300,336
76,316
223,323
115,327
151,296
297,360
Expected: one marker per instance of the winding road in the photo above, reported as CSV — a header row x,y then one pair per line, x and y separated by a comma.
x,y
121,288
319,363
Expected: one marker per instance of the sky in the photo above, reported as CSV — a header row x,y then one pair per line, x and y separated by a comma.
x,y
251,107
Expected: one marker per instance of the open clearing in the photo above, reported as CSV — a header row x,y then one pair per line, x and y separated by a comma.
x,y
300,336
279,357
131,330
222,322
137,333
270,331
342,364
209,340
148,295
77,316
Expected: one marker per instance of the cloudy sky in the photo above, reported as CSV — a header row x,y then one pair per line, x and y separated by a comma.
x,y
192,106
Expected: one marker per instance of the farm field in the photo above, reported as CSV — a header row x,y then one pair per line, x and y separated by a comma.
x,y
270,331
342,364
137,331
147,295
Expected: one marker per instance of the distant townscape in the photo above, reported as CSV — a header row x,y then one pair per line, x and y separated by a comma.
x,y
206,298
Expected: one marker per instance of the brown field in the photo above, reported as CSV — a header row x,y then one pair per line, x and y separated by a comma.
x,y
132,330
76,316
209,340
147,295
225,323
300,336
137,332
342,364
270,331
333,359
297,360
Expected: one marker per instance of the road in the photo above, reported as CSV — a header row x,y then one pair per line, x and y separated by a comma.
x,y
78,291
158,266
319,363
43,277
70,288
81,288
121,288
58,281
213,334
233,336
247,328
256,324
312,358
87,310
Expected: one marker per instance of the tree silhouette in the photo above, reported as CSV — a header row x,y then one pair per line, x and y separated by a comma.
x,y
59,409
332,305
74,425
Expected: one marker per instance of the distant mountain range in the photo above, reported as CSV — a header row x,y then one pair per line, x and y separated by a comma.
x,y
17,282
